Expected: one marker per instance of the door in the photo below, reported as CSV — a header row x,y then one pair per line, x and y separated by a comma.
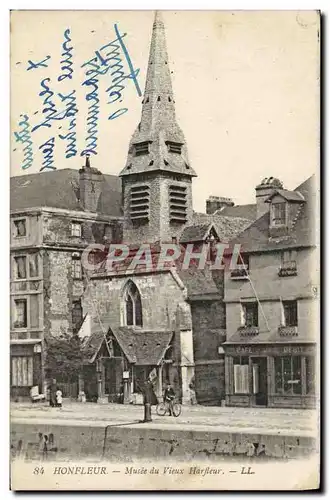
x,y
259,379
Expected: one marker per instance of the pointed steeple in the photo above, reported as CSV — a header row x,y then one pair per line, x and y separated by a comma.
x,y
158,143
158,102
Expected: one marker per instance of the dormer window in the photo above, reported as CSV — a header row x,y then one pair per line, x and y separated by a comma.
x,y
174,147
279,211
142,148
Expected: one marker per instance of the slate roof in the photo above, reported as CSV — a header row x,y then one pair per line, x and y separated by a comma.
x,y
139,346
92,344
195,232
248,211
287,195
142,347
198,281
256,238
226,227
60,189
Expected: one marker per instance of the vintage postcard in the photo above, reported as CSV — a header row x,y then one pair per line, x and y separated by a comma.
x,y
164,220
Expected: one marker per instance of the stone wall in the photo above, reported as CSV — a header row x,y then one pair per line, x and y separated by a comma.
x,y
117,443
158,228
160,296
208,319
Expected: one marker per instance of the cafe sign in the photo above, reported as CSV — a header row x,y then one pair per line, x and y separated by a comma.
x,y
269,350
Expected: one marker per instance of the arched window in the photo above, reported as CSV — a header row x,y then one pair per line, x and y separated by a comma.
x,y
132,305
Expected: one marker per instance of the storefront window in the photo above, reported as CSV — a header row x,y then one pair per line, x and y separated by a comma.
x,y
241,375
288,375
310,374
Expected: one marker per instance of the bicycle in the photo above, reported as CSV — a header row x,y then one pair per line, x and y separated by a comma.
x,y
164,407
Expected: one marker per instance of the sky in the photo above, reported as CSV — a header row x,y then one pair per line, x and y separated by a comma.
x,y
246,86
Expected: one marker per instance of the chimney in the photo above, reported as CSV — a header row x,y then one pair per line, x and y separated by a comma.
x,y
214,203
90,185
263,191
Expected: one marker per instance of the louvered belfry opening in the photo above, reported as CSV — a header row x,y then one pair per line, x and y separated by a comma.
x,y
142,148
178,203
140,203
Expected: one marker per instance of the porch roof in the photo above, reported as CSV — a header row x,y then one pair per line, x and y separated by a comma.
x,y
142,347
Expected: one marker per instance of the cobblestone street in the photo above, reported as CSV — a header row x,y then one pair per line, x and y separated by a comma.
x,y
254,420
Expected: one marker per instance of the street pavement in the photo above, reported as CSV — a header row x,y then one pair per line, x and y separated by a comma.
x,y
291,422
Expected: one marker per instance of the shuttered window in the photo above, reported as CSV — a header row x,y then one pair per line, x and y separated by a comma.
x,y
22,371
241,375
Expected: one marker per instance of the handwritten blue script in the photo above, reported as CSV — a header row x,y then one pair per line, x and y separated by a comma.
x,y
111,66
24,137
107,62
66,62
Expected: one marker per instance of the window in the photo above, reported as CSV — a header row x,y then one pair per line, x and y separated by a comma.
x,y
174,147
279,214
288,375
288,263
250,314
77,315
20,267
22,371
20,313
310,374
76,266
290,313
20,228
242,268
76,229
142,148
289,258
33,265
133,306
241,375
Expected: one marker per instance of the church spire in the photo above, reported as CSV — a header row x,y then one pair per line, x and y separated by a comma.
x,y
158,142
158,102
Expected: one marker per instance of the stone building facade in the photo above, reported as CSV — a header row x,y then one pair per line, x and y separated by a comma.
x,y
172,324
50,227
272,317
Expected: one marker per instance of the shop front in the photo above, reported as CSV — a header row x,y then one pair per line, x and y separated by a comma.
x,y
25,368
270,375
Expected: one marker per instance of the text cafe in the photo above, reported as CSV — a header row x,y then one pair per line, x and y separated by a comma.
x,y
282,376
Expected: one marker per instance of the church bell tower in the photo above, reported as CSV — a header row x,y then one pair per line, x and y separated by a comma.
x,y
157,176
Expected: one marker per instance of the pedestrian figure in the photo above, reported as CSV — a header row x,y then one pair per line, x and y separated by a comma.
x,y
59,398
169,396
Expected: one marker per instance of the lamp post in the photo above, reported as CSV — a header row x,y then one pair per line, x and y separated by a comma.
x,y
147,401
